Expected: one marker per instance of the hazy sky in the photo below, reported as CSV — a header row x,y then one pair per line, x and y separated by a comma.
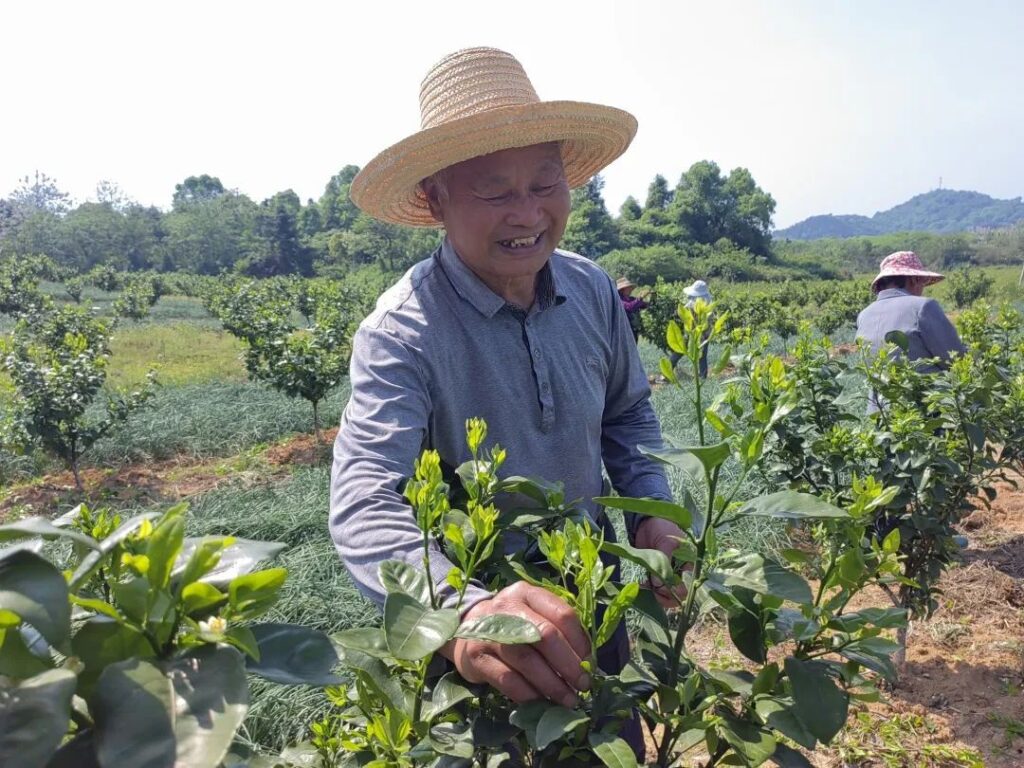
x,y
835,107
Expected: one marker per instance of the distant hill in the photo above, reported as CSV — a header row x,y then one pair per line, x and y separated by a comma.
x,y
941,210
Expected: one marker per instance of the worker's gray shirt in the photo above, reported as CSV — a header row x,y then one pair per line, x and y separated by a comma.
x,y
561,388
928,330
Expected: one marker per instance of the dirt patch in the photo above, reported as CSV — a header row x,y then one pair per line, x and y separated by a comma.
x,y
165,481
302,450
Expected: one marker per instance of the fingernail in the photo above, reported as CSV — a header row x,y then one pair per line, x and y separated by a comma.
x,y
569,701
584,682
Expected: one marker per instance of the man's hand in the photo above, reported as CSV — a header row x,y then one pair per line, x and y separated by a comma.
x,y
664,536
549,669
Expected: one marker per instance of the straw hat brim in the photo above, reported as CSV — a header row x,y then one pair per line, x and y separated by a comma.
x,y
931,278
592,136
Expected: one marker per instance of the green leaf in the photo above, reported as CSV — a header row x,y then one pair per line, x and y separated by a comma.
x,y
34,717
16,660
237,560
791,505
414,631
665,366
875,653
96,605
199,598
454,739
101,642
368,640
162,548
778,714
615,612
254,593
819,704
612,751
131,598
293,655
36,591
787,757
556,722
760,575
680,458
31,527
182,712
654,560
197,558
449,691
746,627
754,744
242,638
91,562
526,716
708,456
396,576
651,507
674,337
499,628
376,677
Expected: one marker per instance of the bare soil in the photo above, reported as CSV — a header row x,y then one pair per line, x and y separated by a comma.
x,y
165,481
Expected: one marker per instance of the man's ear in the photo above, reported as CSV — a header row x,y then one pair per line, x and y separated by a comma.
x,y
432,192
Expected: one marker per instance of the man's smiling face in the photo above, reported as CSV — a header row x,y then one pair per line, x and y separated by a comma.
x,y
504,212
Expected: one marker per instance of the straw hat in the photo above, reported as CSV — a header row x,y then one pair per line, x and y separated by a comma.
x,y
475,102
624,282
904,263
699,290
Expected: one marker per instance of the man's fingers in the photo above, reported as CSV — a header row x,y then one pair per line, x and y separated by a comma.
x,y
548,682
495,672
562,618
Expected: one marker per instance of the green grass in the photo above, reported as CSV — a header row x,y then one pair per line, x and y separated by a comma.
x,y
182,353
213,419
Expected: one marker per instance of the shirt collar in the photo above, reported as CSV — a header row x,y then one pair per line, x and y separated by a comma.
x,y
892,293
472,289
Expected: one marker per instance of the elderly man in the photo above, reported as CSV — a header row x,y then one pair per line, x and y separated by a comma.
x,y
498,324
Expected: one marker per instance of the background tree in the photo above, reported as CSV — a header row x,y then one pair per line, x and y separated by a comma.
x,y
590,230
197,189
658,194
279,248
630,210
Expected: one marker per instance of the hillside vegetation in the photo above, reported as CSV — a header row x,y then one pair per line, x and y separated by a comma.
x,y
939,211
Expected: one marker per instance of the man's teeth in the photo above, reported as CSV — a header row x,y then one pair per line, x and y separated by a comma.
x,y
521,242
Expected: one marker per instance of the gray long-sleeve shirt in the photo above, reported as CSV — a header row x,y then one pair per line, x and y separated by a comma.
x,y
928,330
561,388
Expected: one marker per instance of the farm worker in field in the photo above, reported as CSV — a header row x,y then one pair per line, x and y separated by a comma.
x,y
495,323
901,306
698,290
631,304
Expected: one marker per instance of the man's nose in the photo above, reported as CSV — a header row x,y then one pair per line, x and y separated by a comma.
x,y
526,211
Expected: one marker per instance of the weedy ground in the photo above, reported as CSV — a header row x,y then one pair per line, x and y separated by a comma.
x,y
244,457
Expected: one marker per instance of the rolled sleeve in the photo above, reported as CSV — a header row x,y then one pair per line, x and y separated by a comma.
x,y
383,429
629,421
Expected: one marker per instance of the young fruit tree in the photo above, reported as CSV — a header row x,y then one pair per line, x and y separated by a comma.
x,y
57,362
306,362
126,643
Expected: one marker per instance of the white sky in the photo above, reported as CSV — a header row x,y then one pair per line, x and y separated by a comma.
x,y
835,107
